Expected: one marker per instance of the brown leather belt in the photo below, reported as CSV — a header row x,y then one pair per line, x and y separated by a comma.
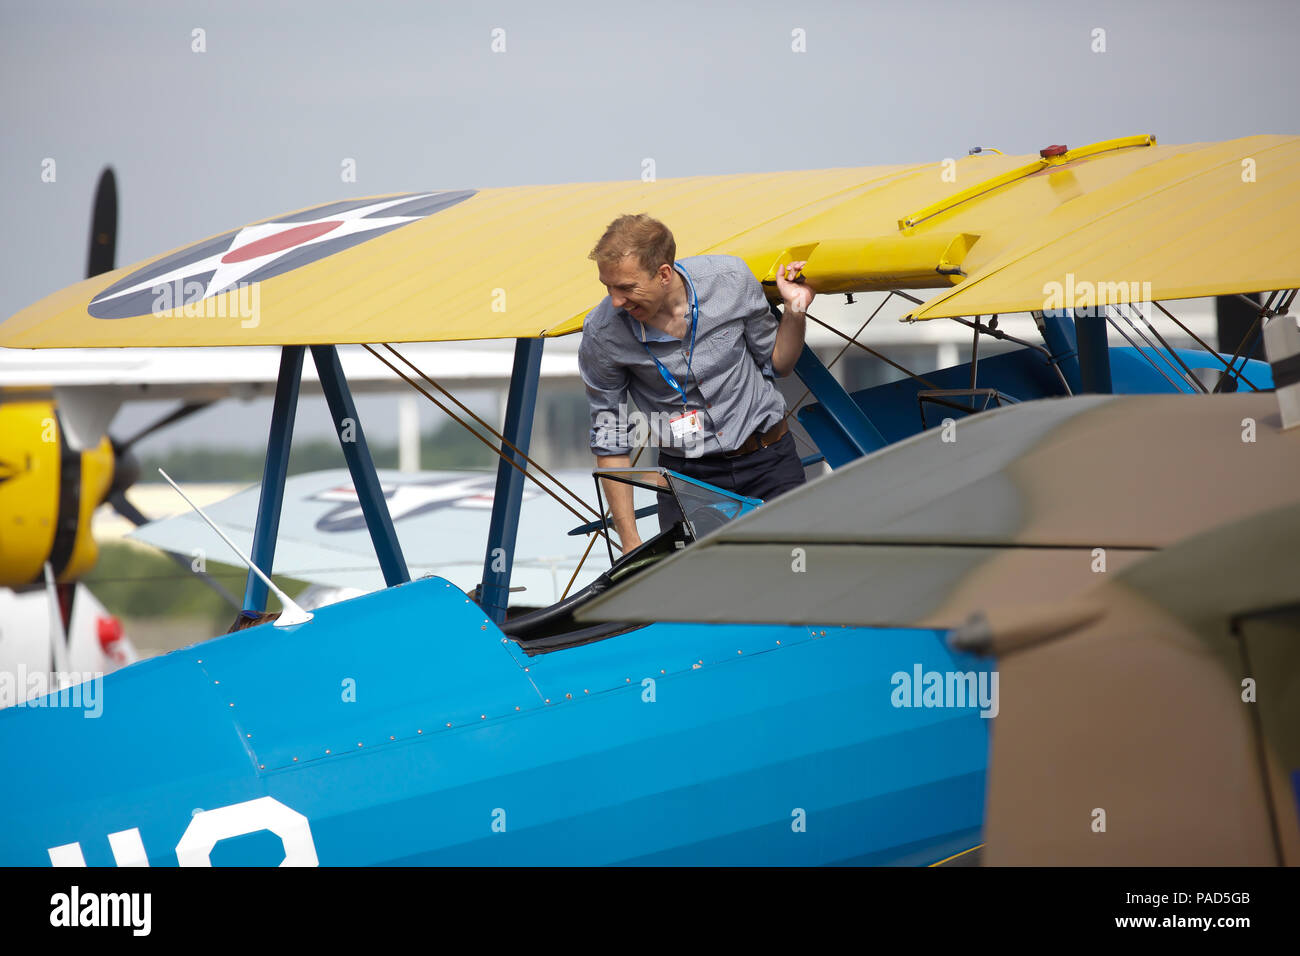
x,y
759,440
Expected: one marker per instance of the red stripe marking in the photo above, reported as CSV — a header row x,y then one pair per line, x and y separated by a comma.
x,y
281,241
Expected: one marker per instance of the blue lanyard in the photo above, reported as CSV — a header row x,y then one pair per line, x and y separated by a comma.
x,y
695,317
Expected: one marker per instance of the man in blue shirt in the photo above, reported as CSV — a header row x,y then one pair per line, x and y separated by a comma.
x,y
695,344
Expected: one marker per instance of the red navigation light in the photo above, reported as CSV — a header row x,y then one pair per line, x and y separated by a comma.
x,y
109,631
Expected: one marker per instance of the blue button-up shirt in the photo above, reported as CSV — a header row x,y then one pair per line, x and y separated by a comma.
x,y
731,378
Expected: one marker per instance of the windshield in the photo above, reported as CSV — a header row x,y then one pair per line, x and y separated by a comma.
x,y
705,507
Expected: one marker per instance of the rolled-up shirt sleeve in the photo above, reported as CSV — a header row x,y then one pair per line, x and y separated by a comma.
x,y
760,326
607,387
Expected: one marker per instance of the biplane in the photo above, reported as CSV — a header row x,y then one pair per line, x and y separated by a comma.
x,y
459,730
58,463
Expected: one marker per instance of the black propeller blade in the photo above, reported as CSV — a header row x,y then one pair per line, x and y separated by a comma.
x,y
185,411
103,226
127,510
126,467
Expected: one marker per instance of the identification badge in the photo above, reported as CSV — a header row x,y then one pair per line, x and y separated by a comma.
x,y
685,425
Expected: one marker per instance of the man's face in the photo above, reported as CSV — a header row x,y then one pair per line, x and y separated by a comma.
x,y
632,288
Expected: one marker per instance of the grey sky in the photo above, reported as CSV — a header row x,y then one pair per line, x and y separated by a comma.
x,y
259,124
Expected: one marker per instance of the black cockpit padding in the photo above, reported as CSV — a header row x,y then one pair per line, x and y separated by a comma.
x,y
557,620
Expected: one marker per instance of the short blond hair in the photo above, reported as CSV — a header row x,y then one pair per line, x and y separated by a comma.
x,y
640,235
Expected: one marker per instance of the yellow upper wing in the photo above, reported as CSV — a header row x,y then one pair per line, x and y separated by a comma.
x,y
1212,219
504,263
988,230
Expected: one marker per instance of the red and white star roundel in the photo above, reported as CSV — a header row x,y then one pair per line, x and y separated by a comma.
x,y
268,249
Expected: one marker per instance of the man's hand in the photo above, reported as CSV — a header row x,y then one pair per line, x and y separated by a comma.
x,y
797,296
789,336
619,496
